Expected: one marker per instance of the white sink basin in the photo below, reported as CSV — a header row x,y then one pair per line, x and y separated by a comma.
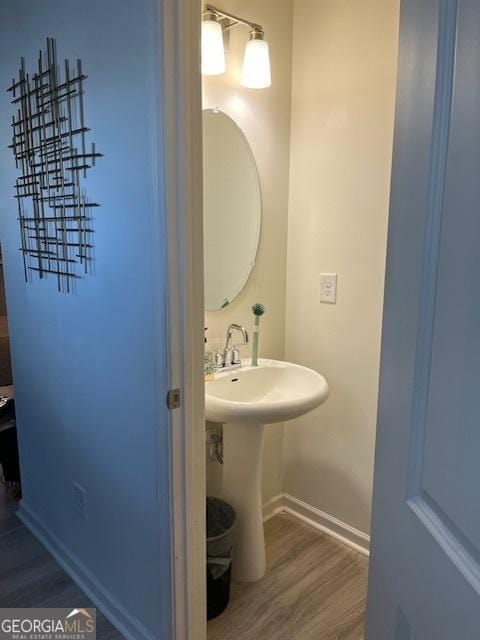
x,y
245,400
272,392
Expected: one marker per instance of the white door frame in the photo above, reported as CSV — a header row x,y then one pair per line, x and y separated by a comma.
x,y
182,127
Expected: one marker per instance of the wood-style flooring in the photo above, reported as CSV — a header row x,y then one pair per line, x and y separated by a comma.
x,y
315,589
30,577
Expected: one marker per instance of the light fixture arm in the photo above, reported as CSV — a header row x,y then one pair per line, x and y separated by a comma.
x,y
234,20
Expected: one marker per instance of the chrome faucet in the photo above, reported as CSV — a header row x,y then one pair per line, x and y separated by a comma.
x,y
231,355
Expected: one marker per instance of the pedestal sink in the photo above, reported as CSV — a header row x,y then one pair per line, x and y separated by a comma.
x,y
244,400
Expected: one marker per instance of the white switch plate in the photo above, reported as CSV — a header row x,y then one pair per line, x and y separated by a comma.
x,y
328,288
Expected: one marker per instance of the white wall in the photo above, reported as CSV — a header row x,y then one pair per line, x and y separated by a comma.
x,y
264,117
344,70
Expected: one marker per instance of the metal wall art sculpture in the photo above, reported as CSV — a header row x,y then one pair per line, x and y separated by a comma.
x,y
49,145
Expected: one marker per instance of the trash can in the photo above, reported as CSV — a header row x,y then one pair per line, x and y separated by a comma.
x,y
221,537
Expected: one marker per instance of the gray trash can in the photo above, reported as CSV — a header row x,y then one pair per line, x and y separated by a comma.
x,y
221,538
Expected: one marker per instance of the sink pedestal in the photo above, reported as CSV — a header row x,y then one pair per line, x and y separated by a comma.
x,y
244,401
242,488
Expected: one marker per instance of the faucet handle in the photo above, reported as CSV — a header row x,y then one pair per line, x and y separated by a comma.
x,y
218,359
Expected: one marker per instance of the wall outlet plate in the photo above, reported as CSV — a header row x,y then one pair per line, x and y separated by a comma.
x,y
328,288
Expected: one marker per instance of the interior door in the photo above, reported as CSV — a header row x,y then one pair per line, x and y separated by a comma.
x,y
425,561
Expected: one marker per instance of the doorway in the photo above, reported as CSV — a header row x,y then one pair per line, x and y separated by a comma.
x,y
321,139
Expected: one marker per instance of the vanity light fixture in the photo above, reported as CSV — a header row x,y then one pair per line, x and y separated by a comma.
x,y
256,63
213,50
256,72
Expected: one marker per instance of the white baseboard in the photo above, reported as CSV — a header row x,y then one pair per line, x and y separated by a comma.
x,y
113,610
285,503
273,507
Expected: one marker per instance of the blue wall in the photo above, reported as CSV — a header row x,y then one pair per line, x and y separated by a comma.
x,y
90,393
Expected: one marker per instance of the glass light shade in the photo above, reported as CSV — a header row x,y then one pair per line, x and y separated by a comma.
x,y
213,51
256,65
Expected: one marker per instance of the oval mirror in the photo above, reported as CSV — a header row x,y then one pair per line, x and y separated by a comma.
x,y
232,209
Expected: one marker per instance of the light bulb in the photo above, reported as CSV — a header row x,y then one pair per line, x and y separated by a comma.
x,y
213,50
256,63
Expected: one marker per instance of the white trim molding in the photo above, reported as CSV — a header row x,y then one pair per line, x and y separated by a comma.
x,y
333,527
273,507
181,126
